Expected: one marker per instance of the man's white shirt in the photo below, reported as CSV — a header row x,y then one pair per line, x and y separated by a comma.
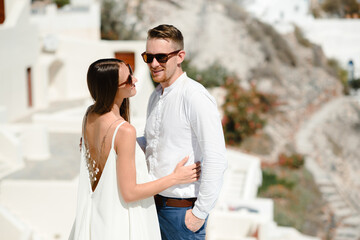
x,y
183,120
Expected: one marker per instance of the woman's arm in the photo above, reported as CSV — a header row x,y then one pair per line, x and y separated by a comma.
x,y
125,144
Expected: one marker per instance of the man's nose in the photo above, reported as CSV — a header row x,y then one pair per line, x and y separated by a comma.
x,y
154,63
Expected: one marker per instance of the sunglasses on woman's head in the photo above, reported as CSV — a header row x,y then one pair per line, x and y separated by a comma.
x,y
129,79
160,57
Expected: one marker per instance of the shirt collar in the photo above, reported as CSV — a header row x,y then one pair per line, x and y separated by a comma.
x,y
172,86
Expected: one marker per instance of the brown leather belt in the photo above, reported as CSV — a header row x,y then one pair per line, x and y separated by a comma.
x,y
174,202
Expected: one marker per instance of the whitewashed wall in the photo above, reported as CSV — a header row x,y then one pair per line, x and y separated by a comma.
x,y
19,50
80,21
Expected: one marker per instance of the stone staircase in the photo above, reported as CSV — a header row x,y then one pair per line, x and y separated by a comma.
x,y
345,222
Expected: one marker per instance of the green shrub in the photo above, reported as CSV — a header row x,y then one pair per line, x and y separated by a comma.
x,y
294,160
351,6
270,178
355,84
340,7
213,76
244,111
277,191
61,3
332,7
334,68
297,200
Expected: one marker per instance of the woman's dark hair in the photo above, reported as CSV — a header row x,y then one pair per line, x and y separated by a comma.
x,y
103,81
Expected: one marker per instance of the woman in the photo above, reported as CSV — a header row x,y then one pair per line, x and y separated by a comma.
x,y
115,195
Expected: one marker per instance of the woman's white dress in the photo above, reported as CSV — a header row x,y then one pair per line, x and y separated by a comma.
x,y
103,214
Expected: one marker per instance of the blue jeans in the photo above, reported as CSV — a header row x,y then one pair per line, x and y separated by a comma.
x,y
172,224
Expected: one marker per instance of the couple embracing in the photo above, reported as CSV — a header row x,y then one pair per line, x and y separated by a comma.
x,y
170,195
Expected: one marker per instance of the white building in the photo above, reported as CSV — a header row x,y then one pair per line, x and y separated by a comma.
x,y
281,13
19,52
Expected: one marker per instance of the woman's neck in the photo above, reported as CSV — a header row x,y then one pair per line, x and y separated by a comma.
x,y
115,110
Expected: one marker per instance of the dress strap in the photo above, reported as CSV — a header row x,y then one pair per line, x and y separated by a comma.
x,y
115,132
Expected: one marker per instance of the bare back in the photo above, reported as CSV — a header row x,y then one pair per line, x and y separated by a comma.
x,y
98,132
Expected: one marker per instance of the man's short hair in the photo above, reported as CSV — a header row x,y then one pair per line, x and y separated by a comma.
x,y
165,31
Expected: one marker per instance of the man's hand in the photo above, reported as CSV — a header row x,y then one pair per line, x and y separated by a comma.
x,y
192,222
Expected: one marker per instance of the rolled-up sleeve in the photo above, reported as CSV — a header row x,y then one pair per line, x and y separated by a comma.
x,y
206,124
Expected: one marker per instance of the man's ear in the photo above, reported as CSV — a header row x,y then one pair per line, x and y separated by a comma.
x,y
181,56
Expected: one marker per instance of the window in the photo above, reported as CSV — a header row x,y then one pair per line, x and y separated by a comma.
x,y
28,76
128,57
2,11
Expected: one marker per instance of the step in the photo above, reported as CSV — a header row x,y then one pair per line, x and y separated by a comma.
x,y
347,232
337,204
327,190
344,212
333,198
352,221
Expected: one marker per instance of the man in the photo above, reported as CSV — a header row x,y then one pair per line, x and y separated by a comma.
x,y
182,119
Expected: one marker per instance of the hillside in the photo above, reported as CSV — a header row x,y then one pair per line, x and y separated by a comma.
x,y
218,32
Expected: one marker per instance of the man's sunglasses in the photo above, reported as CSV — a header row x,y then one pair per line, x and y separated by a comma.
x,y
160,57
129,79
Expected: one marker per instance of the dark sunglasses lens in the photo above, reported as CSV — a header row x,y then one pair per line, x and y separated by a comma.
x,y
148,58
161,58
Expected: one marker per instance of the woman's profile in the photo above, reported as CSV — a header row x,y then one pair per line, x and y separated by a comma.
x,y
115,196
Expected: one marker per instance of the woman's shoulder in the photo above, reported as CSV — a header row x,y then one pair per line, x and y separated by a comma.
x,y
126,129
125,136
